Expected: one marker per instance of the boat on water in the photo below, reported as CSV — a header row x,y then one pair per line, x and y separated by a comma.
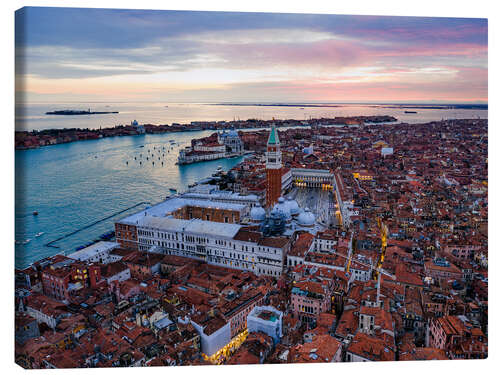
x,y
35,213
173,190
410,111
107,235
39,234
26,241
218,171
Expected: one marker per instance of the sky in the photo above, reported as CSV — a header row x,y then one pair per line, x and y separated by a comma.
x,y
70,54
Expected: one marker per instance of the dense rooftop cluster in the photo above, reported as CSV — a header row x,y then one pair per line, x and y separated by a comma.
x,y
38,138
426,184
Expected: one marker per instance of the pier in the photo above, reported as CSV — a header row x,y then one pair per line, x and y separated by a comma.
x,y
51,243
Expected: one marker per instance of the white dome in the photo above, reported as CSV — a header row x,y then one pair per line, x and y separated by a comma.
x,y
293,206
257,213
283,208
306,218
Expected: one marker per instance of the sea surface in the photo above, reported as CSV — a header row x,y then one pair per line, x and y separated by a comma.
x,y
76,184
33,117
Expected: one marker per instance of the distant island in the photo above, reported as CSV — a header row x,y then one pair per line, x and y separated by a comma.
x,y
434,106
278,105
71,112
373,105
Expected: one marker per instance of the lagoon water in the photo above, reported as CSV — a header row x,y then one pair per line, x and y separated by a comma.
x,y
75,184
72,185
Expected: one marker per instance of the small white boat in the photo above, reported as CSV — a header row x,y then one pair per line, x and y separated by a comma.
x,y
26,241
39,234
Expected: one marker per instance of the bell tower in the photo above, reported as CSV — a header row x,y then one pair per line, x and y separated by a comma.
x,y
273,168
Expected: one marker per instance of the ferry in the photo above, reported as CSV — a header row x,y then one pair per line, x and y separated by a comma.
x,y
218,172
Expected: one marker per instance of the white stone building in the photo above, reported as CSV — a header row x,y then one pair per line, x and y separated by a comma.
x,y
222,244
98,252
266,319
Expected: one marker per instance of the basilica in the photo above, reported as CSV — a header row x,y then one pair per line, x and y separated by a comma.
x,y
229,230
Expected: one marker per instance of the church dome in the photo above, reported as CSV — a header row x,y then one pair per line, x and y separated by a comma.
x,y
257,213
283,208
293,206
306,218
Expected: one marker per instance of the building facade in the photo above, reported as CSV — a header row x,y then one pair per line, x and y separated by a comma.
x,y
309,299
222,244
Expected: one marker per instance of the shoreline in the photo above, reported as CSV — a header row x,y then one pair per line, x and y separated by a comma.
x,y
247,153
25,140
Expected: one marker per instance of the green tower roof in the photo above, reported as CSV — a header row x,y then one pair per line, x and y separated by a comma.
x,y
273,137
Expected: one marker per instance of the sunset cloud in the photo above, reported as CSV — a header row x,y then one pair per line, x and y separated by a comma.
x,y
217,56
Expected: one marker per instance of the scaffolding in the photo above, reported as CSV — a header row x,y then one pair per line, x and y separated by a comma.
x,y
228,350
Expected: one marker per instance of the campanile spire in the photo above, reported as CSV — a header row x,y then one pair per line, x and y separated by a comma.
x,y
273,168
